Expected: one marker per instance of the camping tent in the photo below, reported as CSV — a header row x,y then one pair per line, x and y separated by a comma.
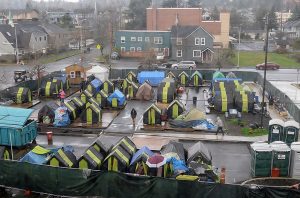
x,y
183,78
38,155
130,88
49,88
152,115
116,99
102,145
196,79
64,80
99,72
199,153
60,84
90,101
94,86
171,75
101,98
108,87
153,77
244,101
145,92
231,75
131,76
61,117
117,160
92,114
138,161
173,149
166,91
189,119
223,101
174,109
4,153
91,159
72,110
78,103
127,145
47,113
21,95
63,159
218,74
85,95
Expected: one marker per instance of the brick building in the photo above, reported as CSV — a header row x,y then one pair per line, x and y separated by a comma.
x,y
163,19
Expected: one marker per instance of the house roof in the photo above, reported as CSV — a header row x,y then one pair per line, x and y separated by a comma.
x,y
8,33
186,31
290,24
52,28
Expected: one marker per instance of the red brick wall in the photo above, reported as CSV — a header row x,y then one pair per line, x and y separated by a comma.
x,y
134,54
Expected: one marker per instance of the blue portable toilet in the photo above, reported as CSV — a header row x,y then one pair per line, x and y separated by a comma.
x,y
94,86
16,129
276,130
117,99
61,118
153,77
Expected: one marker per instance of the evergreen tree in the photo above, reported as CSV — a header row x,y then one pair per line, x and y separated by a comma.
x,y
215,15
172,3
137,14
296,14
273,24
194,3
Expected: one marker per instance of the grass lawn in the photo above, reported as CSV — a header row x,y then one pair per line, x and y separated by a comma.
x,y
55,57
248,58
252,133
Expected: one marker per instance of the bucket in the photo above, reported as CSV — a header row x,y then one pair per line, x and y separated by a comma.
x,y
50,137
275,172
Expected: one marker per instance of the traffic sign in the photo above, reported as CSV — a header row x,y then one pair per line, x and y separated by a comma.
x,y
98,46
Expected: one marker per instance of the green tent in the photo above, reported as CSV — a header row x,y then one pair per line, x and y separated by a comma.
x,y
218,74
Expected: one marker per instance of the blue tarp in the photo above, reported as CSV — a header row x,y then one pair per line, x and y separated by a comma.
x,y
34,158
61,117
178,165
11,117
227,79
96,83
119,95
145,150
154,77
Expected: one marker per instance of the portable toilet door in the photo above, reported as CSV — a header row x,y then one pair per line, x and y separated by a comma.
x,y
295,160
291,131
281,156
276,130
261,160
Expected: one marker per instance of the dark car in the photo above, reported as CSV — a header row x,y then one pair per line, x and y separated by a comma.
x,y
270,65
22,75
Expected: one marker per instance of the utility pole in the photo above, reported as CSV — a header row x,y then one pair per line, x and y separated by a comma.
x,y
17,51
265,70
238,62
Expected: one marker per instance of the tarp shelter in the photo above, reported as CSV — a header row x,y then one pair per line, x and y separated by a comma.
x,y
63,159
166,91
244,101
85,96
127,145
94,86
38,155
78,103
291,131
108,87
218,74
102,145
4,153
60,84
281,158
116,99
196,79
91,159
61,117
117,160
199,153
72,110
173,149
231,75
276,130
131,76
47,113
261,159
99,72
21,95
171,75
152,115
76,73
138,161
101,98
92,115
145,92
174,109
49,88
183,78
63,78
295,160
153,77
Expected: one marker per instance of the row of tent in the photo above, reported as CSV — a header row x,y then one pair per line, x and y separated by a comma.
x,y
20,95
123,156
52,86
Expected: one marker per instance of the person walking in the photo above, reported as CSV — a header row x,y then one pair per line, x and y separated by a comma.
x,y
62,96
82,86
220,125
133,114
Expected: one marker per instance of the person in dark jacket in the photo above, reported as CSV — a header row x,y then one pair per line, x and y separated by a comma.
x,y
133,114
82,86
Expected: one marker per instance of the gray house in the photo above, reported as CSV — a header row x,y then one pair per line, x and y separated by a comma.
x,y
191,43
7,43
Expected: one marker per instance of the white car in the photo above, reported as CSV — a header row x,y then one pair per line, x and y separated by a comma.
x,y
184,65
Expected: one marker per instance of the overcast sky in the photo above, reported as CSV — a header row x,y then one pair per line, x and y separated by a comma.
x,y
65,0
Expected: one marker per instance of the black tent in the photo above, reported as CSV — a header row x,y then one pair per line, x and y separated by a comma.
x,y
92,100
101,98
47,113
85,95
173,148
183,78
59,82
65,81
103,145
4,153
244,101
223,101
166,91
199,153
49,88
117,160
152,115
175,109
72,110
92,114
171,75
78,103
63,159
126,144
20,95
131,76
196,79
108,87
91,159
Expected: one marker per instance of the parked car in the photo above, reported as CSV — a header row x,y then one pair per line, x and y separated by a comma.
x,y
115,56
160,57
167,65
270,65
22,75
184,65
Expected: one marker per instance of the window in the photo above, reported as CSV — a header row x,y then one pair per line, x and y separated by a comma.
x,y
123,49
72,74
197,41
138,49
40,39
202,41
45,38
122,39
158,40
140,39
35,38
179,41
132,49
78,74
196,53
133,38
147,39
179,53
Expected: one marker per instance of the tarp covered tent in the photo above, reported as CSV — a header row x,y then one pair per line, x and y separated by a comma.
x,y
145,92
117,99
94,86
63,159
218,74
38,155
131,76
99,72
174,109
61,117
72,110
152,115
189,119
47,113
20,95
127,145
138,161
65,81
117,160
166,91
91,159
101,98
49,88
173,149
153,77
92,114
199,152
196,79
79,104
244,101
108,87
231,75
183,78
60,84
4,153
85,96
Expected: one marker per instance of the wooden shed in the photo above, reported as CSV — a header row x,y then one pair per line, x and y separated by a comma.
x,y
76,73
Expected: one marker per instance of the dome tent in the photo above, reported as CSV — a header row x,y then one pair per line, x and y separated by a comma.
x,y
183,78
61,117
92,115
138,161
91,159
175,109
21,95
108,87
145,92
223,101
117,99
101,98
49,88
231,75
59,82
217,75
152,115
99,72
85,96
196,79
63,159
64,80
244,101
94,86
117,160
47,113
